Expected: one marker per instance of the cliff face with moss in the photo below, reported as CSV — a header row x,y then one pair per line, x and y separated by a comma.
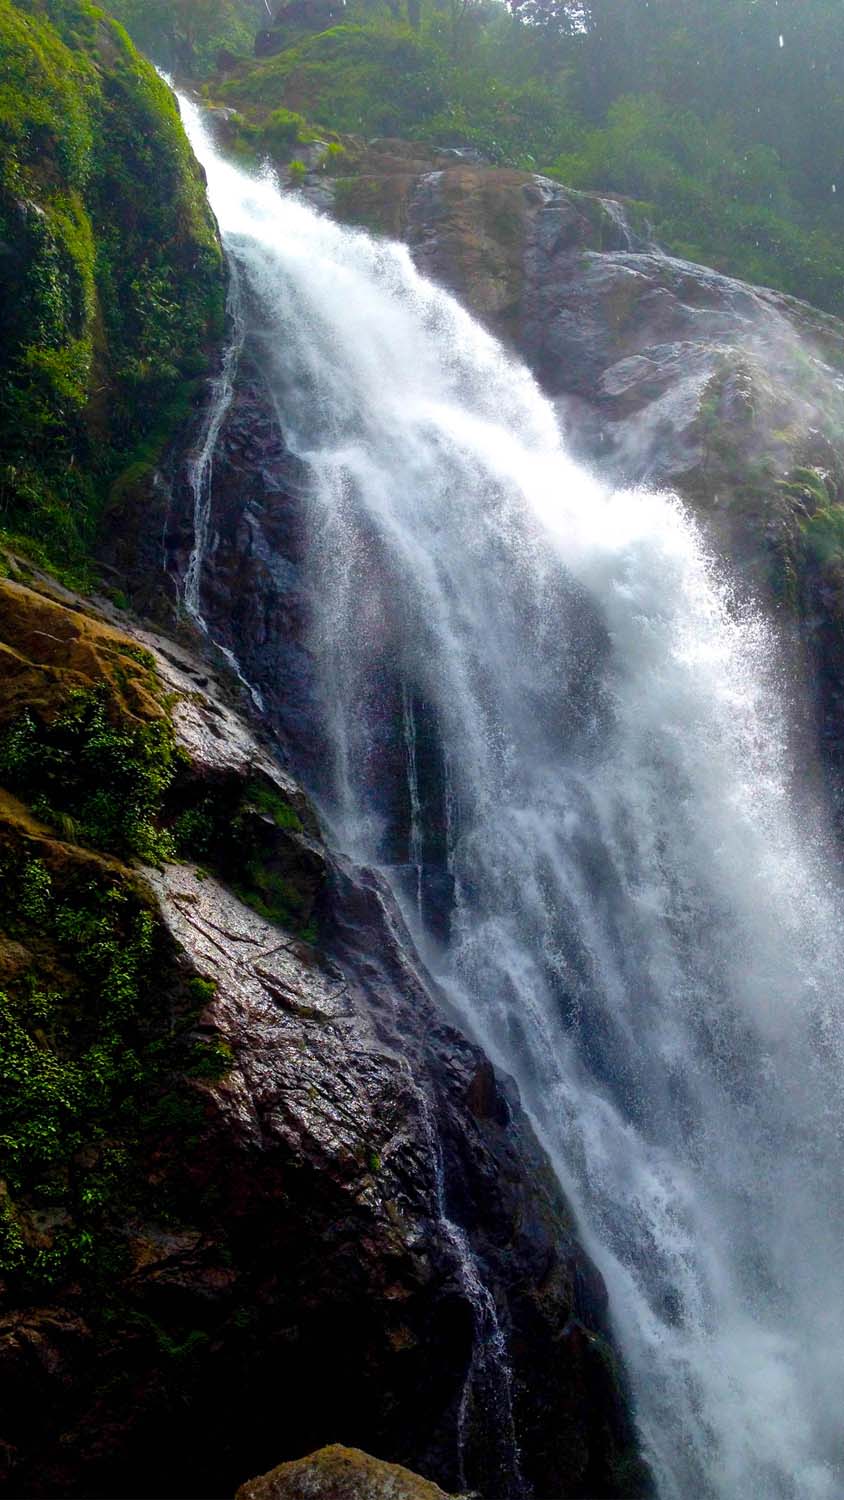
x,y
238,1129
111,280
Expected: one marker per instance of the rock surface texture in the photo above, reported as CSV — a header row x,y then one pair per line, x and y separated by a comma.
x,y
366,1244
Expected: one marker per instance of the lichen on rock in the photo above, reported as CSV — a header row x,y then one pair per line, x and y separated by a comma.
x,y
337,1473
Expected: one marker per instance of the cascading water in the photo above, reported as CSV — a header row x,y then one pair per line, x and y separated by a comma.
x,y
633,918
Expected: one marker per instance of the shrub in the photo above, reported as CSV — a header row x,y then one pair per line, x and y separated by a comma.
x,y
282,129
94,775
93,1067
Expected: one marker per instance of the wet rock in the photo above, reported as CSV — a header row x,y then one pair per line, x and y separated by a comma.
x,y
369,1244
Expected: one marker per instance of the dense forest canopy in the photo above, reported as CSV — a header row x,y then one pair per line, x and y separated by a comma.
x,y
725,118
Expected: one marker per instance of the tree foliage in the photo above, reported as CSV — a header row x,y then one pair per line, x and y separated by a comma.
x,y
725,119
186,36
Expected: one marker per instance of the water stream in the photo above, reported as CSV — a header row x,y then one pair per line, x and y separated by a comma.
x,y
637,923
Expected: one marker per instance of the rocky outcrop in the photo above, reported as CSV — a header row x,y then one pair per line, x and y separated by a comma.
x,y
339,1225
337,1473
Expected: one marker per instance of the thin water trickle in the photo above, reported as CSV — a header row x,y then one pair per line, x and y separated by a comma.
x,y
415,838
488,1369
200,472
641,928
201,464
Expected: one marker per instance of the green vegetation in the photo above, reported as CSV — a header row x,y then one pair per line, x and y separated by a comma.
x,y
187,36
99,1052
375,76
727,140
96,1053
283,128
265,799
823,530
96,778
105,781
111,272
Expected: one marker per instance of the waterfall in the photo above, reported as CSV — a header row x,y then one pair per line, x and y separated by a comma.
x,y
641,926
415,843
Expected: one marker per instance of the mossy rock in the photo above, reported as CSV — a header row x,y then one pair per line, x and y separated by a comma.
x,y
111,277
97,1054
337,1473
50,648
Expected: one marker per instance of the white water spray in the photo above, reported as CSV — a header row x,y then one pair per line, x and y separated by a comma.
x,y
641,930
415,839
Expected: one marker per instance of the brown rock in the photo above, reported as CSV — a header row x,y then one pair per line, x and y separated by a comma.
x,y
337,1473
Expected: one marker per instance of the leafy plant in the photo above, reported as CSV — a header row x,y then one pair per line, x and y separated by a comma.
x,y
92,766
112,274
93,1067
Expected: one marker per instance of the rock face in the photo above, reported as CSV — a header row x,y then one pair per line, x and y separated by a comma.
x,y
362,1239
337,1473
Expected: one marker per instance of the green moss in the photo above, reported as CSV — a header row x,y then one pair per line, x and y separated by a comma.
x,y
823,535
96,1051
112,284
202,989
235,832
267,800
94,776
275,897
808,484
283,128
334,157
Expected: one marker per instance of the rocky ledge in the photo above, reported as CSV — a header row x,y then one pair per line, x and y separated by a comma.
x,y
309,1211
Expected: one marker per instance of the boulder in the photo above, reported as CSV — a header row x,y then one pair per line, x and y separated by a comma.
x,y
336,1473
